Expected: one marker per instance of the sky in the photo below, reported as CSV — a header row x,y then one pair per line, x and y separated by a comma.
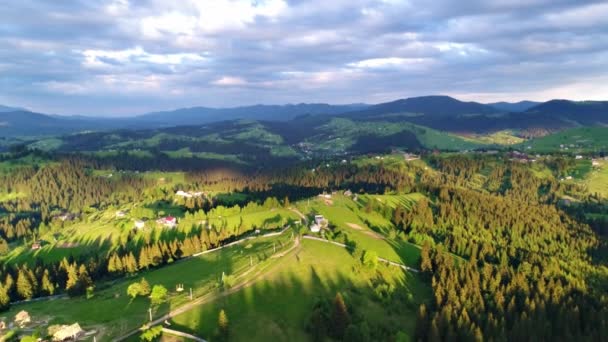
x,y
127,57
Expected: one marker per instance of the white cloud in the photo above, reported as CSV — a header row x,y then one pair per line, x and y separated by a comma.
x,y
210,17
391,63
95,58
230,81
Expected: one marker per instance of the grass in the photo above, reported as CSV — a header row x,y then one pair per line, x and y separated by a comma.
x,y
576,140
186,153
597,180
506,137
112,311
101,232
370,231
393,200
342,133
278,308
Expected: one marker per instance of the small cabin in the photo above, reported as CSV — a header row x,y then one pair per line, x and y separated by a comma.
x,y
139,224
68,333
168,222
22,318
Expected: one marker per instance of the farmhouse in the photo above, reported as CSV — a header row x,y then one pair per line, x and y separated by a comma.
x,y
189,194
68,332
181,193
315,228
36,246
22,318
319,223
167,222
595,162
578,157
140,224
120,214
348,193
410,157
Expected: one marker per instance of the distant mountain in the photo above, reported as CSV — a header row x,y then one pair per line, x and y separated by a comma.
x,y
520,106
433,106
442,113
448,114
583,113
200,115
4,109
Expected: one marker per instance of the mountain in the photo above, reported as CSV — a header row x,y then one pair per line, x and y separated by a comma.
x,y
520,106
4,109
200,115
436,106
582,113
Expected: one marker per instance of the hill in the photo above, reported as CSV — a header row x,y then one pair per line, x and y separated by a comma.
x,y
442,113
575,112
432,106
576,140
520,106
200,115
8,109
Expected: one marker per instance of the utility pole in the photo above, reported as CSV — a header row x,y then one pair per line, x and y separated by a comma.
x,y
190,293
150,312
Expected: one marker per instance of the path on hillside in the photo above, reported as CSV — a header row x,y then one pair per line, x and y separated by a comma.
x,y
295,210
260,274
407,268
183,334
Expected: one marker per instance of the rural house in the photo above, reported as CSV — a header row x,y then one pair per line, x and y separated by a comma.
x,y
22,318
319,223
68,333
140,224
168,222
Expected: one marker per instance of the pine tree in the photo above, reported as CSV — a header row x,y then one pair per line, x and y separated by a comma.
x,y
5,300
340,317
144,287
425,258
24,285
71,284
223,325
144,258
47,284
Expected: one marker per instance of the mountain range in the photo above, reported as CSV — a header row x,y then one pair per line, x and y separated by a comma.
x,y
439,112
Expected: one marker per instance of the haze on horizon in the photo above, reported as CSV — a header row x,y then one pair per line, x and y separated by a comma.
x,y
124,57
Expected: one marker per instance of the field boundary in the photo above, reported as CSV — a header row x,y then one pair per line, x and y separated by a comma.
x,y
389,262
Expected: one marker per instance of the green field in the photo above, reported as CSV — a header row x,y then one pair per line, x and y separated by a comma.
x,y
497,138
278,308
597,179
114,313
340,135
369,231
576,140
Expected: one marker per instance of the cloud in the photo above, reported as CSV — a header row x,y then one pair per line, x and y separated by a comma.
x,y
229,81
126,57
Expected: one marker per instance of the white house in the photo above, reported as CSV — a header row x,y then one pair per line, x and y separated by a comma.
x,y
319,223
120,214
182,193
140,224
167,222
578,157
68,333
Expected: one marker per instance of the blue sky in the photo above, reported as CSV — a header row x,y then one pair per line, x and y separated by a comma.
x,y
125,57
